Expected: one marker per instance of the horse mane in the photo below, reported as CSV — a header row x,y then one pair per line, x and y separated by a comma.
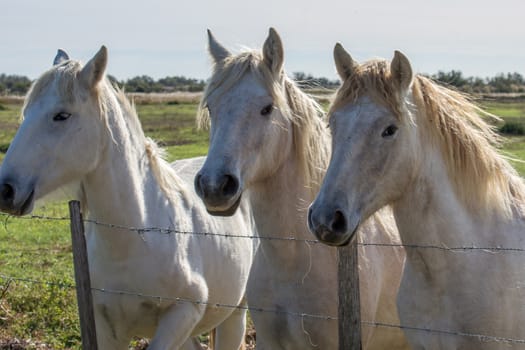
x,y
481,176
110,98
304,113
166,177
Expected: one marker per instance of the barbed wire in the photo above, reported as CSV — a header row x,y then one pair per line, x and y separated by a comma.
x,y
40,282
479,337
37,251
168,231
161,298
444,248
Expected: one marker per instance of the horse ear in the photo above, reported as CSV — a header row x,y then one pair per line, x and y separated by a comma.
x,y
60,57
94,70
344,63
401,70
218,52
273,52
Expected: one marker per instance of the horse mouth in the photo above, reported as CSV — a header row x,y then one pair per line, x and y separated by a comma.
x,y
338,240
349,238
226,212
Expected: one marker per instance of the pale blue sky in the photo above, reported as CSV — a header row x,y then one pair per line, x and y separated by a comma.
x,y
163,38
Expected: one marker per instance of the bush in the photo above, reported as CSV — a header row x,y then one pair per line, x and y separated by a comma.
x,y
512,128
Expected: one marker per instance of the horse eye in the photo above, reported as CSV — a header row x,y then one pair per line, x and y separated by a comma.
x,y
389,131
267,109
61,116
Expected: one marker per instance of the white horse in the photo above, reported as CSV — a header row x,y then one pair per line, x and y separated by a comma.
x,y
269,141
404,140
79,129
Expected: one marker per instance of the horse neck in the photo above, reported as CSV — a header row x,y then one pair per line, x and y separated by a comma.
x,y
285,195
431,212
123,189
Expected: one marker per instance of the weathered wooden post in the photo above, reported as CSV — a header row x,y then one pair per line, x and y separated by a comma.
x,y
82,280
349,301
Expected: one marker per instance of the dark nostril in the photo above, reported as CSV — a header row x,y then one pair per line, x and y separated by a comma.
x,y
197,183
309,218
338,223
229,185
7,192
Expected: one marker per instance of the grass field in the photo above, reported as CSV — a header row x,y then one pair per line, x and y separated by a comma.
x,y
512,113
38,315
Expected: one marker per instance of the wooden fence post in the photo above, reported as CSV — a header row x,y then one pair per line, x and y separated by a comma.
x,y
82,280
349,303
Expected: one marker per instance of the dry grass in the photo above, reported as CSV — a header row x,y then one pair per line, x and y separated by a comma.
x,y
11,99
172,97
137,97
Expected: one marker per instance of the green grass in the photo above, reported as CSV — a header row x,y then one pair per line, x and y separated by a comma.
x,y
512,113
40,249
33,250
505,109
514,147
174,127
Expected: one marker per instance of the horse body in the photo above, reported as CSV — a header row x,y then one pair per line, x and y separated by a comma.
x,y
268,143
146,282
405,141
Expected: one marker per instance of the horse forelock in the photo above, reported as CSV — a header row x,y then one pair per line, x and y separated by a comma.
x,y
62,76
481,176
372,79
229,72
304,113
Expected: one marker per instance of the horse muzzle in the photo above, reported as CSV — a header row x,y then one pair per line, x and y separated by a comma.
x,y
220,194
331,226
16,202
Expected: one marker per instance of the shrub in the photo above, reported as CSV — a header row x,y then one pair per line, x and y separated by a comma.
x,y
512,128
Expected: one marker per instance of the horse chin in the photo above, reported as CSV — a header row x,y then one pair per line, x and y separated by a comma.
x,y
226,212
349,238
342,240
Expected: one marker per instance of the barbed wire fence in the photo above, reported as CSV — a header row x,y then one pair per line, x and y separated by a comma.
x,y
348,317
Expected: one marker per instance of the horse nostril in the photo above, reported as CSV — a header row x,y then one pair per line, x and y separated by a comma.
x,y
309,219
229,185
338,223
198,184
7,193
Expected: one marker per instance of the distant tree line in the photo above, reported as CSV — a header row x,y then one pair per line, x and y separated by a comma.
x,y
19,85
501,83
14,84
146,84
309,81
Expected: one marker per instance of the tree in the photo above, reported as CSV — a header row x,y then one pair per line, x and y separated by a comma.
x,y
454,78
14,84
309,81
